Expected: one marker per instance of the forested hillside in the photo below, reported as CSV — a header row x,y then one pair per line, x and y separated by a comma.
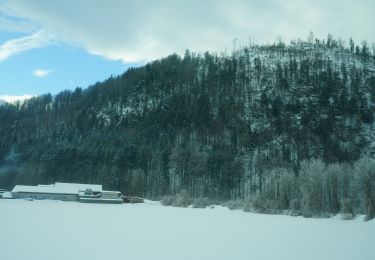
x,y
286,127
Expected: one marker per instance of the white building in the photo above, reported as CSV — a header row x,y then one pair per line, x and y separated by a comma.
x,y
67,192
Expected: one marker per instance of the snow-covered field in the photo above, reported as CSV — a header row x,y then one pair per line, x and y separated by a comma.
x,y
46,230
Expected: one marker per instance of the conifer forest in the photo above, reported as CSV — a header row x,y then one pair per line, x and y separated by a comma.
x,y
280,127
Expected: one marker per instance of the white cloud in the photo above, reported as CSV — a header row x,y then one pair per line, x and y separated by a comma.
x,y
143,30
77,82
11,98
40,73
10,25
36,40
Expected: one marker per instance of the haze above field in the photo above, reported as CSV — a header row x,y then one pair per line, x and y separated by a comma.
x,y
48,47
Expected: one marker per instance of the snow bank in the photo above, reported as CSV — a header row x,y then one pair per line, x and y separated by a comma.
x,y
44,230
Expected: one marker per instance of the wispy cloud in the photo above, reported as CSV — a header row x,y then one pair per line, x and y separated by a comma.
x,y
77,82
41,73
11,98
12,25
36,40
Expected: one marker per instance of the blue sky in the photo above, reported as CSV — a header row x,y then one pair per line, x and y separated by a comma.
x,y
49,46
60,65
66,67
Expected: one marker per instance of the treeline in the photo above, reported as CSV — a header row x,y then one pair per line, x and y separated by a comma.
x,y
317,190
235,126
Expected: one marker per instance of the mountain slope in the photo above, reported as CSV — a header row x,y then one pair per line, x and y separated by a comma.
x,y
266,123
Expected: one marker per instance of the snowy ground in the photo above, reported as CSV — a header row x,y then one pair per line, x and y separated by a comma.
x,y
45,230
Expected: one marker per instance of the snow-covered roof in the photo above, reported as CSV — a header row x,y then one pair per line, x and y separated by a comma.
x,y
6,195
44,189
61,188
110,191
46,185
79,186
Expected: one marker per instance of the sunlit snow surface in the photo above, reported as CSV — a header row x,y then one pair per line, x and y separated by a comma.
x,y
46,230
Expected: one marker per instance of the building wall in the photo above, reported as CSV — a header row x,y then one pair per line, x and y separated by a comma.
x,y
100,200
45,196
110,195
